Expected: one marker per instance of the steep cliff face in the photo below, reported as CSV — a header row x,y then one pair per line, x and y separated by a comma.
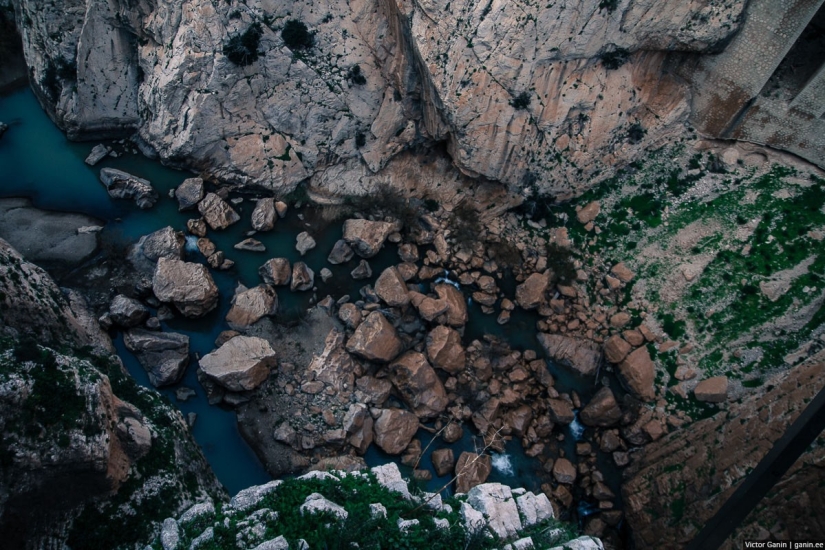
x,y
88,458
676,484
522,93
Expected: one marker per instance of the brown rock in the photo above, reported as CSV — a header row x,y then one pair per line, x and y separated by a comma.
x,y
531,292
350,315
418,384
634,338
188,286
602,410
361,271
394,429
653,429
391,288
276,271
616,349
445,350
712,390
341,253
250,305
216,212
443,461
196,227
375,339
588,213
561,411
578,354
620,319
518,419
472,470
367,237
373,391
637,373
456,305
408,252
564,471
428,308
452,433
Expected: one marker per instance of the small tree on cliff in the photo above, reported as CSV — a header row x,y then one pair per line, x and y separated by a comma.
x,y
296,35
242,48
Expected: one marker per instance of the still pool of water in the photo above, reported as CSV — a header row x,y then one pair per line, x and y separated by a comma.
x,y
37,161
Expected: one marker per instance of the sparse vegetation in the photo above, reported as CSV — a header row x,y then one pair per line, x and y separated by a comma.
x,y
355,76
297,36
521,101
615,59
242,49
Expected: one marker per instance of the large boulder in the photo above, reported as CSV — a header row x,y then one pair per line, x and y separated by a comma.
x,y
304,242
264,215
443,461
241,364
712,390
121,185
251,305
164,355
456,304
419,385
391,288
472,469
367,237
188,286
375,339
616,349
564,471
189,193
602,410
217,213
637,372
445,350
341,253
579,354
163,243
394,429
302,277
276,271
531,293
560,410
127,312
496,502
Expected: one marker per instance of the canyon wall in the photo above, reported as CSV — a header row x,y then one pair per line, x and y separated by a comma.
x,y
676,484
544,97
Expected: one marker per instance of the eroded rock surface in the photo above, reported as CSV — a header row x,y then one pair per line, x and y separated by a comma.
x,y
241,364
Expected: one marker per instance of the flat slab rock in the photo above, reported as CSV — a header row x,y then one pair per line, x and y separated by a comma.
x,y
576,353
241,364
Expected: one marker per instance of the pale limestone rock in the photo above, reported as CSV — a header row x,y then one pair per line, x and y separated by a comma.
x,y
189,193
127,312
241,364
316,503
304,243
276,272
121,185
264,215
166,243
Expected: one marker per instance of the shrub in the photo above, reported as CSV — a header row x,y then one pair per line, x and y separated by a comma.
x,y
615,59
521,101
560,262
609,5
465,224
355,76
242,49
296,35
360,140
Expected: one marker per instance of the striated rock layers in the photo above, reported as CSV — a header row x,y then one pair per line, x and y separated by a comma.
x,y
680,481
520,93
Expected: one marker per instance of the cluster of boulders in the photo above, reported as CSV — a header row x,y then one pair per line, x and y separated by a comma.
x,y
491,508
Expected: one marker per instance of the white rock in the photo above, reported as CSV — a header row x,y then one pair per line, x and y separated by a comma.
x,y
495,501
279,543
249,498
316,503
534,508
389,476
